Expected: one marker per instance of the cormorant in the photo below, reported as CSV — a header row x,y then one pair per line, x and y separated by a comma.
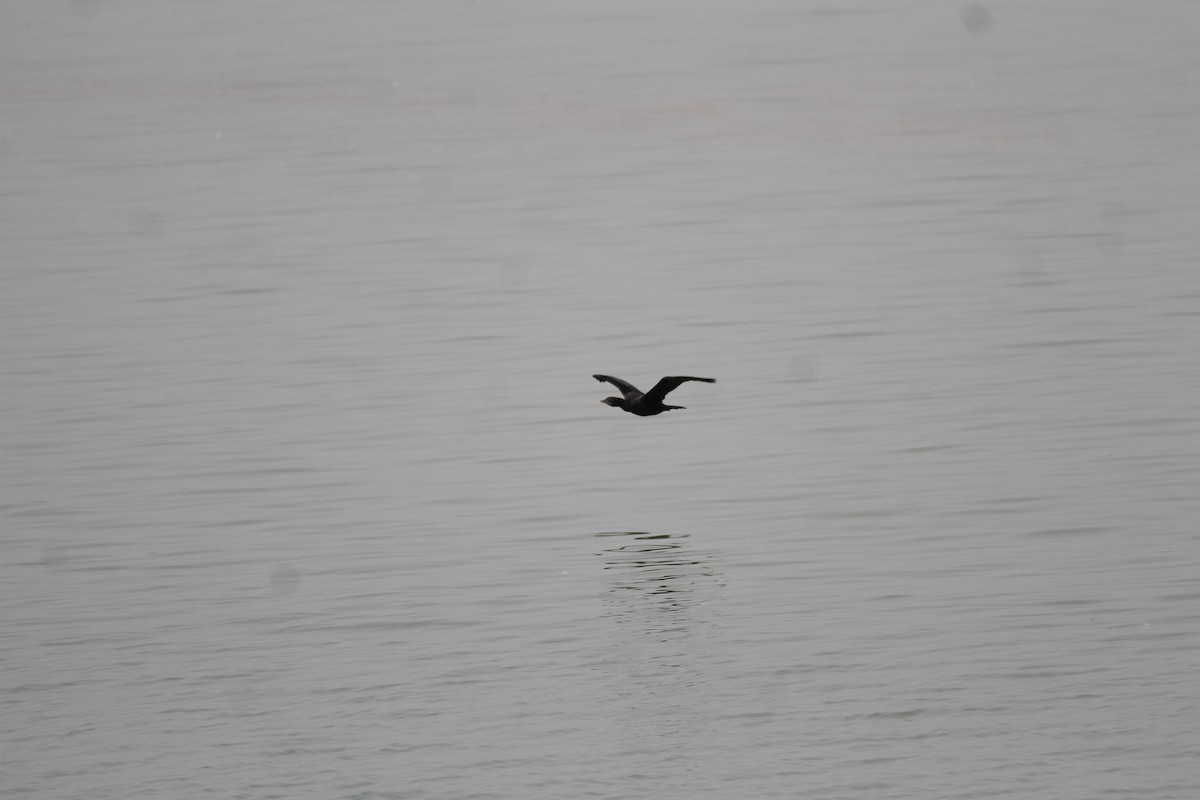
x,y
650,403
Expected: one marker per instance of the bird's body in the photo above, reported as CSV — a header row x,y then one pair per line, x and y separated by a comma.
x,y
649,403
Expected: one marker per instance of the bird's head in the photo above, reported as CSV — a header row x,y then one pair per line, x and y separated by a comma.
x,y
613,401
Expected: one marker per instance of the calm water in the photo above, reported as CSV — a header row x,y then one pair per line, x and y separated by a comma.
x,y
308,491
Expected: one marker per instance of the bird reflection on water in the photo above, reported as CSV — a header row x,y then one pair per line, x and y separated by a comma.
x,y
658,567
659,597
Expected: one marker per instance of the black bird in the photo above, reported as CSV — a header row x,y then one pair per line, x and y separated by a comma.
x,y
650,403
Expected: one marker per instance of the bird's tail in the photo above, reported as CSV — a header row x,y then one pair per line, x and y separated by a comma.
x,y
672,408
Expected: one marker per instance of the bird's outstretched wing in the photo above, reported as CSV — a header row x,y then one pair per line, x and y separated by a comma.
x,y
670,383
628,389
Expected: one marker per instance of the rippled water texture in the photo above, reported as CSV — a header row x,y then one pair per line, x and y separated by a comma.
x,y
307,487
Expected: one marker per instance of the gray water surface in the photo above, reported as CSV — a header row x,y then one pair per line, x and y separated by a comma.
x,y
308,491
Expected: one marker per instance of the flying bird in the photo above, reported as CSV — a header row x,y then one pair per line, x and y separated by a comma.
x,y
649,403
